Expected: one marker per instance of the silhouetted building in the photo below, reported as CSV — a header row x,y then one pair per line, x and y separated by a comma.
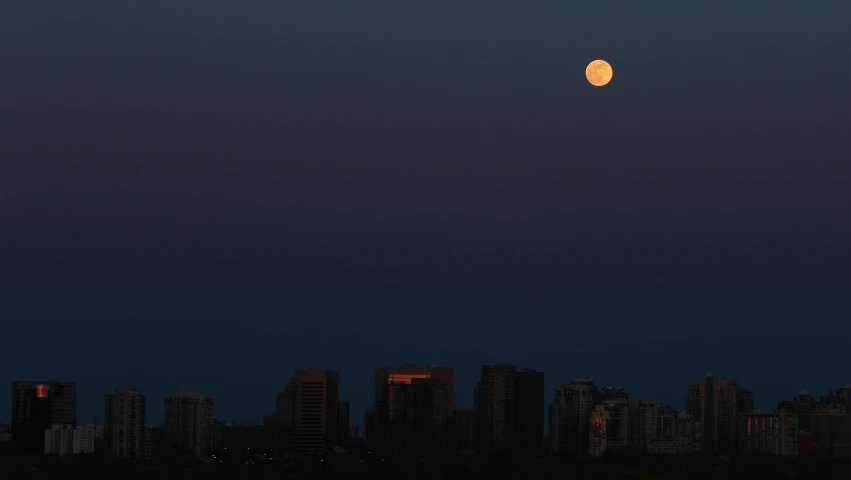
x,y
385,410
831,435
837,401
771,433
803,405
510,408
369,421
720,406
657,429
343,422
613,393
419,416
189,422
124,419
307,411
465,427
531,403
570,412
36,407
609,427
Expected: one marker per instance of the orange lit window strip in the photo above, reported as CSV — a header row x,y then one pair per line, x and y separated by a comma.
x,y
41,391
405,378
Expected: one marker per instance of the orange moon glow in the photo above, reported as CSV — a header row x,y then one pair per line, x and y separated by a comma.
x,y
598,73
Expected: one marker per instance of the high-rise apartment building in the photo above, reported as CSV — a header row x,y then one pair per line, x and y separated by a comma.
x,y
510,408
124,422
609,427
570,413
658,429
308,411
772,433
189,422
419,416
720,406
387,382
36,407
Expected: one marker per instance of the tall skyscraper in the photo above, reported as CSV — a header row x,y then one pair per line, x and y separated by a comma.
x,y
189,421
343,422
419,416
720,406
308,411
510,408
570,413
124,421
36,407
385,398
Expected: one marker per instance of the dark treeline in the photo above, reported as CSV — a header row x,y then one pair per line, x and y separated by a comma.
x,y
494,465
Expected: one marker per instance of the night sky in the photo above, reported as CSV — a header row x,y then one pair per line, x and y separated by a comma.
x,y
216,193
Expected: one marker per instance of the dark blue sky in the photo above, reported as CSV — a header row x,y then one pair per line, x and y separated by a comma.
x,y
215,193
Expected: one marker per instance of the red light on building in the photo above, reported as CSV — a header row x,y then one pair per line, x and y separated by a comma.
x,y
405,377
42,391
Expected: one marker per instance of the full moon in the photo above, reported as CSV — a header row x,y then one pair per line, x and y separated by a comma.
x,y
598,73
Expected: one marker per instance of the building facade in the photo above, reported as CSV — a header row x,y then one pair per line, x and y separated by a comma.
x,y
510,408
59,440
189,422
771,433
85,438
609,427
831,435
388,380
124,421
307,409
720,406
570,413
657,429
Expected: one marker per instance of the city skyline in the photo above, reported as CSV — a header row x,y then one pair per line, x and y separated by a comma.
x,y
413,412
214,194
356,416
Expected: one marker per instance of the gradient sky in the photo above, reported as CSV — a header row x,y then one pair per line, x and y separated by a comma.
x,y
215,193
